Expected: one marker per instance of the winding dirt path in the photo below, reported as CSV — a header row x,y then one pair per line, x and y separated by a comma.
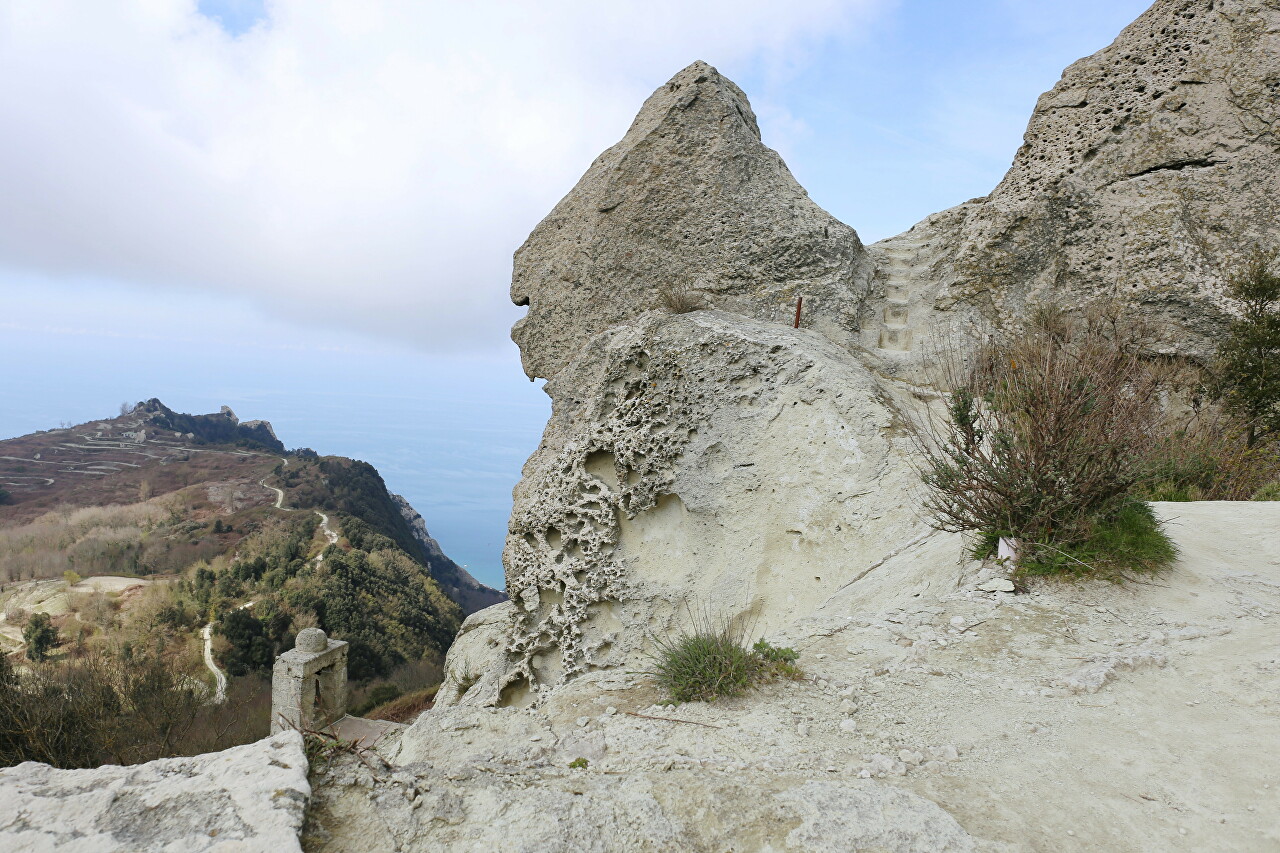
x,y
219,677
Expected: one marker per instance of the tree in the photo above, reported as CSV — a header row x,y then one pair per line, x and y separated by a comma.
x,y
1249,357
40,636
250,649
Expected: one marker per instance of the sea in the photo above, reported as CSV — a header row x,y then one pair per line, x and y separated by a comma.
x,y
449,431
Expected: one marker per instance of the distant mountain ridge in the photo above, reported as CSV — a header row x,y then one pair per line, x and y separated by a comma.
x,y
224,466
222,427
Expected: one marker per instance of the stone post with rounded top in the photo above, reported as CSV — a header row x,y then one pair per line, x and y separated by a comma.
x,y
309,683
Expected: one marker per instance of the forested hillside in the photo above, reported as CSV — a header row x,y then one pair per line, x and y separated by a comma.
x,y
128,536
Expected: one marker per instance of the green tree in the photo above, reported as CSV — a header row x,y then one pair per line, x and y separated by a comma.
x,y
1249,357
40,636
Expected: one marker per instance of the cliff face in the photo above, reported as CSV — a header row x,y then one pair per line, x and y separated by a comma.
x,y
457,582
1145,173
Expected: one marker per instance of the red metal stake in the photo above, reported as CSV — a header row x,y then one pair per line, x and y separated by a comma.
x,y
799,304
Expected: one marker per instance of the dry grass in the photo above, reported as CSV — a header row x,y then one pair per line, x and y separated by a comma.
x,y
678,298
406,708
59,541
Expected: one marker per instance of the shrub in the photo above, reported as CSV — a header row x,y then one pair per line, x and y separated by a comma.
x,y
712,660
98,709
678,298
1047,435
1205,455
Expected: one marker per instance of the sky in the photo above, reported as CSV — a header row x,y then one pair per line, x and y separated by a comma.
x,y
306,209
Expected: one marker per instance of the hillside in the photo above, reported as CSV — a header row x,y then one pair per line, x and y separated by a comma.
x,y
134,532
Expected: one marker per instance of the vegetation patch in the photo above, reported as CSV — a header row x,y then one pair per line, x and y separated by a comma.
x,y
712,660
1048,442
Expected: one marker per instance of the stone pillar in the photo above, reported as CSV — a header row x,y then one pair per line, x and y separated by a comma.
x,y
309,683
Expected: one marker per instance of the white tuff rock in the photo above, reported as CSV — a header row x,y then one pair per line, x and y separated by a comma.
x,y
249,797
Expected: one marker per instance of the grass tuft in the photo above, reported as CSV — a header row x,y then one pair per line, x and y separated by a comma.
x,y
678,298
1269,492
1130,542
712,660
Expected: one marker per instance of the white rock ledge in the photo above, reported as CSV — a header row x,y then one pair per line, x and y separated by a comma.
x,y
250,797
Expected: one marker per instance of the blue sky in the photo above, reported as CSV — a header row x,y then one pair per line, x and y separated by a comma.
x,y
306,209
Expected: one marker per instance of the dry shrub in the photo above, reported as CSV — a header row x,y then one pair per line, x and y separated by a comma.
x,y
99,708
1048,431
1205,455
678,298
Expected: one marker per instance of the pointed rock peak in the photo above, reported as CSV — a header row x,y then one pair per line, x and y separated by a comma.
x,y
690,209
699,80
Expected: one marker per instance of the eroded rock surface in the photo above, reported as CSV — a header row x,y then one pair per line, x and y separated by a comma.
x,y
249,797
678,811
1145,173
689,197
697,462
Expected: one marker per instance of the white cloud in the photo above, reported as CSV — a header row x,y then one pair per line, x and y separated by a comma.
x,y
365,164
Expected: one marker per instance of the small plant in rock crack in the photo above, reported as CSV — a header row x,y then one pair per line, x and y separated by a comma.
x,y
678,298
466,678
711,659
578,764
781,660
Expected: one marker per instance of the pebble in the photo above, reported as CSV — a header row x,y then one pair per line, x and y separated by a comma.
x,y
610,711
849,726
536,738
907,756
847,706
957,621
582,721
803,730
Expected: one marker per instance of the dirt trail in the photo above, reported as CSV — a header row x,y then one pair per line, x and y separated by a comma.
x,y
329,533
219,677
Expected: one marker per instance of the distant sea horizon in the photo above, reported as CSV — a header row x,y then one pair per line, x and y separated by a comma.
x,y
448,432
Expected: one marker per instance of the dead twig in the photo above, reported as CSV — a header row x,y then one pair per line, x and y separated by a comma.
x,y
669,719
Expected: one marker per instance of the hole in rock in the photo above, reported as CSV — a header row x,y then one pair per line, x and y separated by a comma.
x,y
600,464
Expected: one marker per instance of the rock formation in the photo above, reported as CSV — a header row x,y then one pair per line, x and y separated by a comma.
x,y
246,798
1145,173
689,198
697,461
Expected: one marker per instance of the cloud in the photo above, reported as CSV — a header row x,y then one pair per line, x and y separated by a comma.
x,y
367,165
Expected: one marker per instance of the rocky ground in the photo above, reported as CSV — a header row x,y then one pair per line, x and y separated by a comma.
x,y
935,716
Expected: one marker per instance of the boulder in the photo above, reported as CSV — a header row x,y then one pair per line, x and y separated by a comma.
x,y
250,797
689,198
